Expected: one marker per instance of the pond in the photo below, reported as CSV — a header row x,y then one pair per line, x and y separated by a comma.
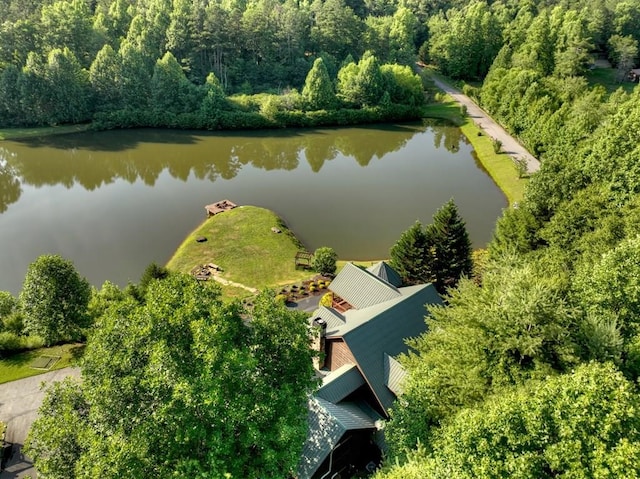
x,y
115,201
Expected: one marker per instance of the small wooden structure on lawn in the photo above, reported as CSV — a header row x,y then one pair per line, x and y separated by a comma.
x,y
219,207
204,271
304,259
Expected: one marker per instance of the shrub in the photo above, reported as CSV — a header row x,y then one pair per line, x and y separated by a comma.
x,y
281,298
324,260
327,300
13,323
11,343
497,145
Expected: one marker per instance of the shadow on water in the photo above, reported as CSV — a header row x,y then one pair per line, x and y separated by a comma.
x,y
104,140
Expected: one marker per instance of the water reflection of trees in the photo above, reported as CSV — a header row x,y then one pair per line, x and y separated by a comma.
x,y
93,160
10,188
450,136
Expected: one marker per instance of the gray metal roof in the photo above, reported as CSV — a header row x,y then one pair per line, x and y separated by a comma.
x,y
338,384
332,317
360,288
394,374
383,271
327,424
382,329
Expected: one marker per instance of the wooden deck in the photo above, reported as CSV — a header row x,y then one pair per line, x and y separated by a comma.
x,y
219,207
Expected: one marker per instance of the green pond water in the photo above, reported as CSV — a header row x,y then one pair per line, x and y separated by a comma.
x,y
115,201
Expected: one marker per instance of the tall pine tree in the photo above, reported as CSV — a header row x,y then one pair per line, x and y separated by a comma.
x,y
408,256
450,247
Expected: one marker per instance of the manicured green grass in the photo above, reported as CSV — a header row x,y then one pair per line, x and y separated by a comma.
x,y
18,366
608,77
20,133
445,110
500,166
365,264
241,242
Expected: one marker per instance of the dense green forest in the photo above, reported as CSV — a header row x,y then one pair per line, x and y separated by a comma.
x,y
164,63
531,369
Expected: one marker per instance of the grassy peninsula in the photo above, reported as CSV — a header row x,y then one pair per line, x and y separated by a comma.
x,y
242,243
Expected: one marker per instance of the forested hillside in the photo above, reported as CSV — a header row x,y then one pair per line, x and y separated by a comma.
x,y
532,369
173,63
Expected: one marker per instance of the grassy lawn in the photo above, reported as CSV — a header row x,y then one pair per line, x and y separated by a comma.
x,y
446,110
608,77
20,133
241,242
18,366
499,165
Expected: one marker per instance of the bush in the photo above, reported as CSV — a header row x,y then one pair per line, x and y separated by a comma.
x,y
327,300
11,343
281,298
13,323
324,260
497,145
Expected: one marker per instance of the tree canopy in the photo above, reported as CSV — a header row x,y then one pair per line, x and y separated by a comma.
x,y
181,385
54,299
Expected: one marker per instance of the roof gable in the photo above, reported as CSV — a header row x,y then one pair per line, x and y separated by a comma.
x,y
327,424
360,288
383,271
338,384
332,317
394,374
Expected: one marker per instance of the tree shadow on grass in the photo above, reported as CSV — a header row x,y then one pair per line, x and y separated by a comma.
x,y
77,351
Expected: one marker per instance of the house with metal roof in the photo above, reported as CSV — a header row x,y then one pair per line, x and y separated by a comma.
x,y
361,335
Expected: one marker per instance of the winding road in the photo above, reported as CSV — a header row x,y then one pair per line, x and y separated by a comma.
x,y
509,144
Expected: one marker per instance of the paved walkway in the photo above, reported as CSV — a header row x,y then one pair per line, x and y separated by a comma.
x,y
509,144
19,403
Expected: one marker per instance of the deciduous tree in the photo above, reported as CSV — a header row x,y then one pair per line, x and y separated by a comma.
x,y
324,260
182,385
54,299
581,424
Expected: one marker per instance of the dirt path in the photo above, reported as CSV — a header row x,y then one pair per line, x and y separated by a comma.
x,y
231,283
509,144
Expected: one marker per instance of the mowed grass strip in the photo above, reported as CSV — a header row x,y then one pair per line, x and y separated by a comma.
x,y
500,166
242,243
20,365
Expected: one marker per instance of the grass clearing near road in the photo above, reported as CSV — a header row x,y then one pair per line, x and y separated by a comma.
x,y
19,365
500,166
242,243
608,78
20,133
447,109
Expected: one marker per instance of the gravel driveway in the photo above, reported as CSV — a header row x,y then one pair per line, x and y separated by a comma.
x,y
509,144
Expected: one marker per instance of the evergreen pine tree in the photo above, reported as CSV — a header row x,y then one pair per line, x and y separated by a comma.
x,y
408,256
318,91
450,247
